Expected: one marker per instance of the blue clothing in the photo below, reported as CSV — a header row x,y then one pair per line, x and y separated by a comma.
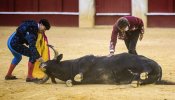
x,y
22,42
17,57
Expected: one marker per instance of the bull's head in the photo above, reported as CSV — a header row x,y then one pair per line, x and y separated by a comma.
x,y
43,66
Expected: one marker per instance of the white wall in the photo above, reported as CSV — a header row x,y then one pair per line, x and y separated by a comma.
x,y
86,13
139,9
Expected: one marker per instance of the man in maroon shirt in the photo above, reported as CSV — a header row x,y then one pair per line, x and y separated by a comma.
x,y
129,29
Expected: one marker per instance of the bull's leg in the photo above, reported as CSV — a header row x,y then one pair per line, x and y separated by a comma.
x,y
78,77
143,75
134,80
146,71
53,79
138,79
135,83
69,83
134,75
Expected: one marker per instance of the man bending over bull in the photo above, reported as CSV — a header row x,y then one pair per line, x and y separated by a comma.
x,y
23,42
127,28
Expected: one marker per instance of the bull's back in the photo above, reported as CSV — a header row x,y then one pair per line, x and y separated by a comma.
x,y
102,69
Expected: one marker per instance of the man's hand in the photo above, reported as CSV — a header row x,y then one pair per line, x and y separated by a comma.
x,y
40,60
42,64
111,54
141,37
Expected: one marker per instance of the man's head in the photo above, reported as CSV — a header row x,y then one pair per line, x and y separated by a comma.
x,y
122,24
44,25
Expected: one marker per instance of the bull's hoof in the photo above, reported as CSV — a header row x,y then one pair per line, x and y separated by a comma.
x,y
78,77
69,83
144,75
135,84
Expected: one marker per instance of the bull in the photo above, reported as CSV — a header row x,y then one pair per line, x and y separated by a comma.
x,y
122,68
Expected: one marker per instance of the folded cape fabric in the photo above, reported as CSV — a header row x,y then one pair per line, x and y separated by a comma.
x,y
43,50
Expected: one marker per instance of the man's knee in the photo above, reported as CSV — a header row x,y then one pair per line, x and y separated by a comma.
x,y
16,60
32,60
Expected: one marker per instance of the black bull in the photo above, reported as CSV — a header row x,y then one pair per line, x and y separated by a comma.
x,y
118,69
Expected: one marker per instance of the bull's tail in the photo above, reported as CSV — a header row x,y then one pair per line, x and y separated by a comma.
x,y
160,74
163,82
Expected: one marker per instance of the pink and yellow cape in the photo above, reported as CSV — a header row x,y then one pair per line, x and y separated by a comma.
x,y
43,50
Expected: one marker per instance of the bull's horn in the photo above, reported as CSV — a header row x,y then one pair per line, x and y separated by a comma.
x,y
55,51
43,80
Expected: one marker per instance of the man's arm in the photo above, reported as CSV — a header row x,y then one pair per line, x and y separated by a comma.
x,y
31,38
113,40
141,27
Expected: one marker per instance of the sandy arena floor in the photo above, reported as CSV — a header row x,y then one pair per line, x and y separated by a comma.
x,y
158,44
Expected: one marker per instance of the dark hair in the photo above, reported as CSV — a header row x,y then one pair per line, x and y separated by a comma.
x,y
122,22
46,23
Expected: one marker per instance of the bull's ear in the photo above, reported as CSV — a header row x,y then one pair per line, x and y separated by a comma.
x,y
59,57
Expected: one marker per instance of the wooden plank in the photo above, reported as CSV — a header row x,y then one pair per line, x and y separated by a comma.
x,y
160,6
55,20
50,5
70,6
108,11
6,5
26,5
106,20
113,6
161,21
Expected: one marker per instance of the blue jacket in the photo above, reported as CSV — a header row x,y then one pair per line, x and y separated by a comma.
x,y
27,33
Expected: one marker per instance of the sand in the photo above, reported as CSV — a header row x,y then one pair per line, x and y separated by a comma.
x,y
157,44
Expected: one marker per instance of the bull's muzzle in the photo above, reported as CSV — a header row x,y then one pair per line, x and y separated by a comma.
x,y
43,80
46,77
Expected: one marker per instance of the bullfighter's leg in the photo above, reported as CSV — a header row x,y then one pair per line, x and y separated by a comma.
x,y
131,43
24,50
17,58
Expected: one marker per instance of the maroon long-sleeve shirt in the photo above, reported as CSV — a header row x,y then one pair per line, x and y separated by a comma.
x,y
134,24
